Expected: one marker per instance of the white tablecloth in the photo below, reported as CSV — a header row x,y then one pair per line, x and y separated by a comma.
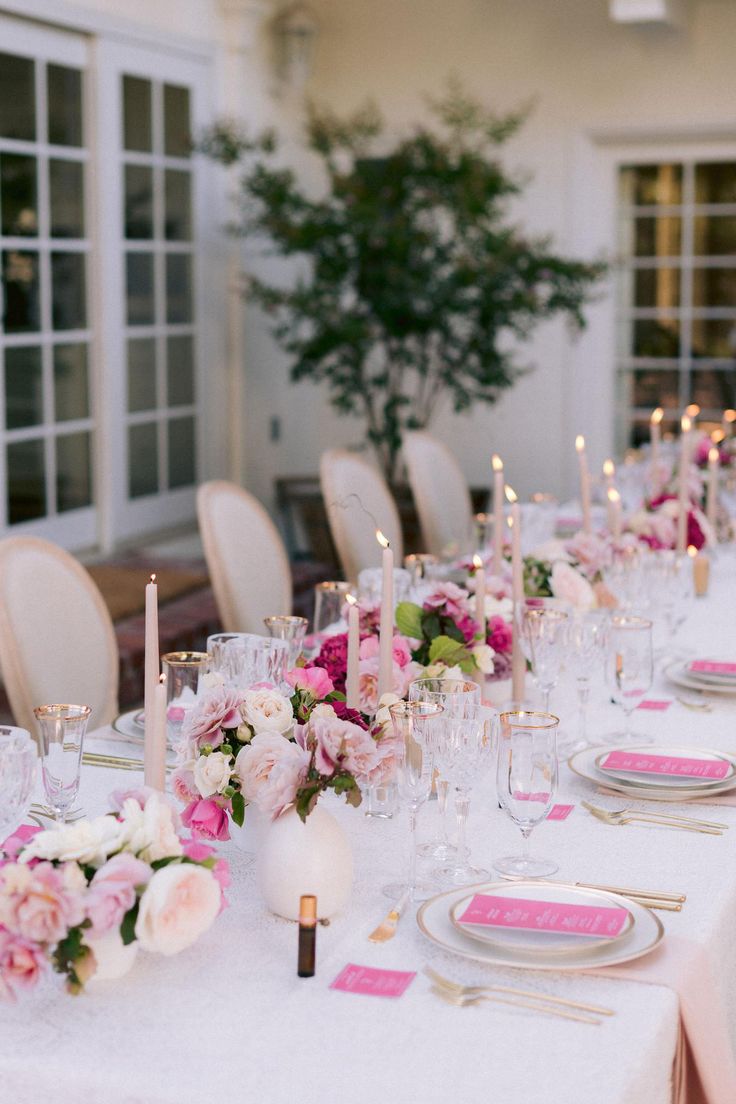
x,y
230,1020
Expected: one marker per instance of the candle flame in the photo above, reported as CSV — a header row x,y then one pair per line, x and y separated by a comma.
x,y
477,562
713,456
382,540
686,423
657,415
351,600
613,495
510,493
693,410
609,468
497,462
162,680
692,551
580,442
153,579
717,436
729,415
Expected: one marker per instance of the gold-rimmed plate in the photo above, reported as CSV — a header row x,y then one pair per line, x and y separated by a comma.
x,y
433,919
130,724
649,779
680,675
583,763
536,942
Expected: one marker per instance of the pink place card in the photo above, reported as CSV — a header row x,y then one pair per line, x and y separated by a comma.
x,y
378,983
665,764
709,667
658,706
549,916
560,812
541,797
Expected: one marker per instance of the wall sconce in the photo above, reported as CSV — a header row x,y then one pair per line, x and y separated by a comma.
x,y
295,31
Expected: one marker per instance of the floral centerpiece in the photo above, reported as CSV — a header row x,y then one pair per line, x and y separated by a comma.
x,y
82,898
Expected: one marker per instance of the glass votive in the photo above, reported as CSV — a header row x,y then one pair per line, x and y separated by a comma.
x,y
483,527
370,585
61,730
418,565
283,626
329,599
183,671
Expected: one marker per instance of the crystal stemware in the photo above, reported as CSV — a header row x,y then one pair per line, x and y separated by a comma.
x,y
629,669
246,658
586,642
18,760
291,629
546,630
62,730
329,600
526,780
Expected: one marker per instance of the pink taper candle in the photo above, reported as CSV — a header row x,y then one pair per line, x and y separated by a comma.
x,y
714,460
154,756
352,685
518,662
683,503
480,596
499,517
614,513
152,664
584,481
386,626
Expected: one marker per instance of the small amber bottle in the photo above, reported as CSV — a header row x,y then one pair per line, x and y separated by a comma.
x,y
307,935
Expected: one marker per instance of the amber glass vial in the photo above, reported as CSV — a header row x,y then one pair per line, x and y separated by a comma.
x,y
307,936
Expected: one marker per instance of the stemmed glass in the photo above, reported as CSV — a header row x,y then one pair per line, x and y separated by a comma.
x,y
246,658
413,723
18,759
291,629
629,669
456,696
526,782
62,729
586,647
463,752
546,630
668,584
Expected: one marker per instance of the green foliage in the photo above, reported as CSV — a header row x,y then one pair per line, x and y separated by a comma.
x,y
237,804
409,620
440,640
537,575
415,274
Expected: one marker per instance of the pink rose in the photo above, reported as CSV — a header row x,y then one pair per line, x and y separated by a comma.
x,y
569,585
14,844
183,787
271,770
368,682
341,745
370,646
180,903
206,819
41,903
21,961
314,679
218,710
197,851
451,596
112,891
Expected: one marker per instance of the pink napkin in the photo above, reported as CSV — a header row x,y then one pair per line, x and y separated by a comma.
x,y
704,1070
716,799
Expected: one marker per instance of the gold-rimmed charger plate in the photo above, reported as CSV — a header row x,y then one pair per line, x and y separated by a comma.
x,y
533,943
677,673
582,763
433,920
650,780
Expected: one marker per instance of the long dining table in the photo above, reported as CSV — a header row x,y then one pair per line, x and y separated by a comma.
x,y
229,1019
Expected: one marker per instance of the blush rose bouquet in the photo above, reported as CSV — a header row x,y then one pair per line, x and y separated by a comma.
x,y
82,898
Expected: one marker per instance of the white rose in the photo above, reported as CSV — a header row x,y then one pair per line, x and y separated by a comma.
x,y
324,709
499,607
179,903
483,655
569,585
455,672
150,832
212,773
267,711
86,841
553,551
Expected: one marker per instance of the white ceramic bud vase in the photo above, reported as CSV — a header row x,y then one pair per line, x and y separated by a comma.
x,y
295,858
114,959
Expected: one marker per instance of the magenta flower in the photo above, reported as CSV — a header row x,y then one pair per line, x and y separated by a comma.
x,y
499,634
333,658
206,819
218,710
313,679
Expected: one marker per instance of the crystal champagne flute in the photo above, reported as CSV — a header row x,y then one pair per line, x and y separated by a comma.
x,y
526,780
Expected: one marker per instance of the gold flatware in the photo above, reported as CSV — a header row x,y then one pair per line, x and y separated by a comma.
x,y
46,811
111,761
387,928
471,990
636,894
647,818
460,1001
660,816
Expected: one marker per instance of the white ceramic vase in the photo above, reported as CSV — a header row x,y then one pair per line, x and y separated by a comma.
x,y
114,959
295,858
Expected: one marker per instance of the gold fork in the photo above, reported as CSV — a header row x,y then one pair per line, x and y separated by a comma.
x,y
648,818
472,990
459,1001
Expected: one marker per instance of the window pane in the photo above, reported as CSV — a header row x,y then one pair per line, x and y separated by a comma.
x,y
179,371
177,140
714,287
65,105
139,275
646,185
73,482
655,237
178,288
138,201
656,287
66,187
23,387
26,481
714,389
17,98
714,235
18,195
653,338
142,460
177,187
137,114
142,374
651,387
68,291
20,273
715,183
71,388
181,452
714,337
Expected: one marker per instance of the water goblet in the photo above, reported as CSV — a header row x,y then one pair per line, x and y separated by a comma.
x,y
61,730
520,623
413,766
18,759
586,644
526,780
546,630
629,669
291,629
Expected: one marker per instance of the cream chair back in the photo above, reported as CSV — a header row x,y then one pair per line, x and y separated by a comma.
x,y
246,558
358,502
440,493
57,642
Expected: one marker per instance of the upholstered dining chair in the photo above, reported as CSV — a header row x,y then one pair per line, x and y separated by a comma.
x,y
247,562
358,502
440,493
57,642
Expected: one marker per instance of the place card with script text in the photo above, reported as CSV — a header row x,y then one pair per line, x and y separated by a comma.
x,y
377,983
710,667
645,763
549,916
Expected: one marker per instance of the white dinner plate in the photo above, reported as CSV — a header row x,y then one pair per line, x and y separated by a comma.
x,y
534,942
130,724
650,779
435,923
583,763
677,673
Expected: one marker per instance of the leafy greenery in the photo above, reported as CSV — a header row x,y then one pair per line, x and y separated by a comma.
x,y
440,639
415,277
